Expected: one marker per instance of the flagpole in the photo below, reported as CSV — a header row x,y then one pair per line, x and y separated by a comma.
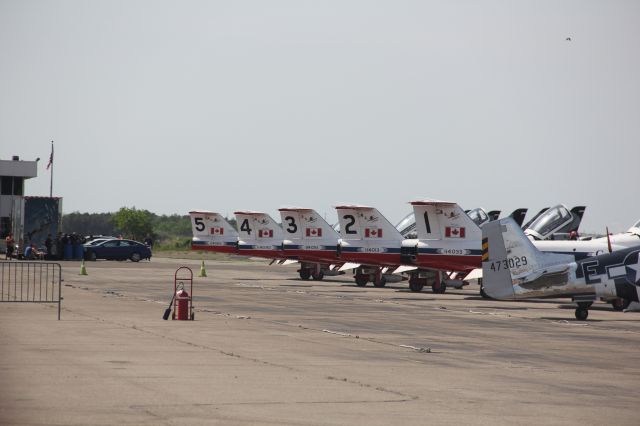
x,y
51,177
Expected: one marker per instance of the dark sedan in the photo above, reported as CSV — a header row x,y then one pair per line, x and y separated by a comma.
x,y
117,250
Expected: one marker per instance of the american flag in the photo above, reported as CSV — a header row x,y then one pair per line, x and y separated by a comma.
x,y
50,157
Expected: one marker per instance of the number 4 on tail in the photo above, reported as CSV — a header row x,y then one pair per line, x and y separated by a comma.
x,y
245,226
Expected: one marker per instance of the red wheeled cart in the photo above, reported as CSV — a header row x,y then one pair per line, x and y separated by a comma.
x,y
183,306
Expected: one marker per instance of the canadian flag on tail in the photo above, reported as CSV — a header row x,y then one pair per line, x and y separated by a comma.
x,y
314,232
454,232
265,233
217,231
373,233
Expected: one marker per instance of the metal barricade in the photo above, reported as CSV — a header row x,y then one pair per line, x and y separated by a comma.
x,y
31,282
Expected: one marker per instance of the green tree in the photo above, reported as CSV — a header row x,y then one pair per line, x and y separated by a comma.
x,y
88,223
135,224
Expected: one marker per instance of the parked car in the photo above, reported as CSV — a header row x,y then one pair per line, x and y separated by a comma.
x,y
93,239
97,241
117,250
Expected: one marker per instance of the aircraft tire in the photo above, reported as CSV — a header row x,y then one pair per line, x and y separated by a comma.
x,y
317,277
582,314
362,280
439,289
381,283
415,285
305,274
620,304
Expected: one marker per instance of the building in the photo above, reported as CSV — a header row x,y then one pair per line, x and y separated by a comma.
x,y
13,173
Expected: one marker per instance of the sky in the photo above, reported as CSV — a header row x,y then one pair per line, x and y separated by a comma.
x,y
172,106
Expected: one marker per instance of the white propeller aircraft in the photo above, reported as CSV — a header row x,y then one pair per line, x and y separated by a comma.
x,y
513,269
558,222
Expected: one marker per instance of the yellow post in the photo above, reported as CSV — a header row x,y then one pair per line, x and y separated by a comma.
x,y
83,269
203,272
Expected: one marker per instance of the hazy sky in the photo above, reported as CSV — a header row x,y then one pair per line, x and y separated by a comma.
x,y
225,105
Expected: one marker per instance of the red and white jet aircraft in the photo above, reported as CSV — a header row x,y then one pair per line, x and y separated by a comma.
x,y
369,243
311,241
259,235
448,240
212,232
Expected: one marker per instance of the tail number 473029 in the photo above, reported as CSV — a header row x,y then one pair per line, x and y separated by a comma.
x,y
512,262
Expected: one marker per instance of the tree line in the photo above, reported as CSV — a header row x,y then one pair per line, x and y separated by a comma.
x,y
132,223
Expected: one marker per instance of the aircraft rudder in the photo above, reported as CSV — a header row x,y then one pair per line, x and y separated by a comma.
x,y
210,224
377,227
518,215
496,278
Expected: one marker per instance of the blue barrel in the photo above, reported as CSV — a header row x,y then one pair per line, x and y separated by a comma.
x,y
78,251
68,251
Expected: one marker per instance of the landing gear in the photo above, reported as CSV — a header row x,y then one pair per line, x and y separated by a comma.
x,y
380,281
582,314
416,284
362,279
317,276
305,274
619,304
439,287
582,311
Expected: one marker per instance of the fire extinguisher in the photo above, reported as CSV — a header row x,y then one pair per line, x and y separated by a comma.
x,y
182,304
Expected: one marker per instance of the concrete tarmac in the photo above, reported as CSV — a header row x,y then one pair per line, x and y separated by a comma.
x,y
267,348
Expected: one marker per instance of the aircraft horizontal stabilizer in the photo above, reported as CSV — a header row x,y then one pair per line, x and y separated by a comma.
x,y
474,275
348,266
401,269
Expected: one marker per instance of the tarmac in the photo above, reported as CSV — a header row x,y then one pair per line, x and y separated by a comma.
x,y
267,348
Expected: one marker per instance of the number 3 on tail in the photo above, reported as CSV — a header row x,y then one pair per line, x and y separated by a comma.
x,y
292,228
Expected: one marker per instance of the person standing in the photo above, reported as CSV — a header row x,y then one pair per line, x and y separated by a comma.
x,y
48,243
59,246
11,246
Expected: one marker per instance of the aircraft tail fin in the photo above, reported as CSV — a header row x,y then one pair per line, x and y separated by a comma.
x,y
258,226
210,225
510,261
443,220
365,223
518,215
494,214
306,224
577,212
